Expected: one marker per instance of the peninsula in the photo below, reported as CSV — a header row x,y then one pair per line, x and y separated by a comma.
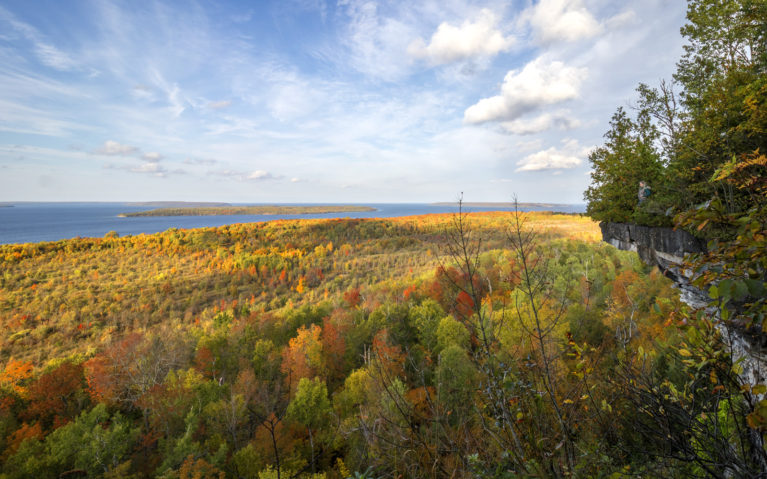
x,y
500,204
177,204
250,210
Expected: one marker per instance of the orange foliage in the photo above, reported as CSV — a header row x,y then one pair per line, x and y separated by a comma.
x,y
352,297
205,362
302,357
52,394
24,432
620,287
408,291
199,469
421,398
109,374
333,346
464,304
15,373
390,356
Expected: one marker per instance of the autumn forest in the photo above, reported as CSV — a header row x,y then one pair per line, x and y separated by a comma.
x,y
446,345
465,345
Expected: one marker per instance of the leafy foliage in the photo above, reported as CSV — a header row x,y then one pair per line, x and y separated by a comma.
x,y
244,374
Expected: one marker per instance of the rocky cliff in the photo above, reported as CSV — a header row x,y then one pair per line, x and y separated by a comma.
x,y
660,246
663,247
666,248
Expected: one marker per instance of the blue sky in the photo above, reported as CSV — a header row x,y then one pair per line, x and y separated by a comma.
x,y
318,101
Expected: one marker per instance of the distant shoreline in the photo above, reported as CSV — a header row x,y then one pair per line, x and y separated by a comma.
x,y
248,210
177,204
480,204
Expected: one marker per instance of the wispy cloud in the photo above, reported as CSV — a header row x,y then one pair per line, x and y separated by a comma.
x,y
547,121
45,51
377,43
152,157
336,95
200,161
256,175
113,148
218,105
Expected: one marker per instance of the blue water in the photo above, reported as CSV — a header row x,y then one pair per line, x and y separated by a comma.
x,y
35,222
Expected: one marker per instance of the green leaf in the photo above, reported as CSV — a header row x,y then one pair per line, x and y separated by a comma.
x,y
725,289
713,292
755,287
740,290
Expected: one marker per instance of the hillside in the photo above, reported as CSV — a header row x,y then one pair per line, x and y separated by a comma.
x,y
325,345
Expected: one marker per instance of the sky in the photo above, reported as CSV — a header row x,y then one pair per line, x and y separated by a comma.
x,y
319,101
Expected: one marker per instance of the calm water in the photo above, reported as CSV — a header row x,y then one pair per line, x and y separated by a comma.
x,y
34,222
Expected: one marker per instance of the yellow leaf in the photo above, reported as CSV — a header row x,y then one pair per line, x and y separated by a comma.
x,y
684,352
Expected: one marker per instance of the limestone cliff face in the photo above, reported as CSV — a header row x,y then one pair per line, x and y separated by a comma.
x,y
664,247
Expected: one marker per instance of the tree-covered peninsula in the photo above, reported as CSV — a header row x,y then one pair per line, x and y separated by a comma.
x,y
250,210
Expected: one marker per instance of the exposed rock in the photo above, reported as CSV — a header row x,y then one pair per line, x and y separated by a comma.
x,y
666,248
660,246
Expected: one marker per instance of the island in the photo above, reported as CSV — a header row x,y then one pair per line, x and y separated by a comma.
x,y
249,210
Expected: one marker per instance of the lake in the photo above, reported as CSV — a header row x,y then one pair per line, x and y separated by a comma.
x,y
27,222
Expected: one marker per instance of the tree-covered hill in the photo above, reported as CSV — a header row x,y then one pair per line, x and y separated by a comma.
x,y
423,347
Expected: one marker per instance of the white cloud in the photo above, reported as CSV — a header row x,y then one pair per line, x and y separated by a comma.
x,y
560,20
472,39
152,157
200,161
539,83
295,180
546,121
149,168
257,175
571,155
113,148
217,105
260,175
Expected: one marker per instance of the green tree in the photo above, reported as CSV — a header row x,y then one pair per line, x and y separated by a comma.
x,y
311,408
627,157
96,444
